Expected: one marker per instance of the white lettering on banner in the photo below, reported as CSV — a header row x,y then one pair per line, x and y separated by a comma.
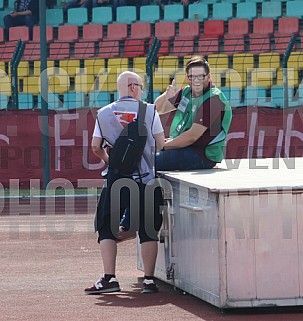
x,y
252,132
62,142
85,162
290,133
4,138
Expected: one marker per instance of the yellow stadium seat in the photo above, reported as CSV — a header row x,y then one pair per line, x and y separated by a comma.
x,y
263,77
84,83
243,65
167,65
5,83
94,66
70,66
292,77
37,67
180,78
269,60
139,65
161,80
59,82
218,61
31,85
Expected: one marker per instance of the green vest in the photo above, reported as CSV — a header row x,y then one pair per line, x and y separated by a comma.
x,y
186,113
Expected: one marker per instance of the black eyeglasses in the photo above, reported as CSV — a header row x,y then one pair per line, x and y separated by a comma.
x,y
199,77
141,86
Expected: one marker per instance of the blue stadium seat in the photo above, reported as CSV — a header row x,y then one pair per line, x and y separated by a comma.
x,y
3,101
294,9
271,10
102,15
198,11
53,101
77,16
54,17
150,13
246,10
252,95
98,99
173,12
222,11
26,101
74,100
126,14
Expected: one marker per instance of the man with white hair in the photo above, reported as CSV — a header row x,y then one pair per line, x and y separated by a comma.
x,y
109,123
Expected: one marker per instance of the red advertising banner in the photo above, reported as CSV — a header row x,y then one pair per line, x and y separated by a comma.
x,y
255,132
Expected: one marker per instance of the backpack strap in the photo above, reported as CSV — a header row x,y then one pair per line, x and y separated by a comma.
x,y
141,111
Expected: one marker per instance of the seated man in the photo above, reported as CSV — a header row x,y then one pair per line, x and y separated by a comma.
x,y
26,13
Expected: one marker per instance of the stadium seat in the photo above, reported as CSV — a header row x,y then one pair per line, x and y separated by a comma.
x,y
102,15
25,101
218,61
59,82
126,14
263,26
140,30
59,50
183,46
49,34
72,100
84,50
259,43
277,96
108,49
23,69
53,101
84,82
271,9
70,66
150,13
3,100
233,95
222,11
165,30
77,16
94,66
173,12
208,45
214,28
1,4
1,34
189,29
139,66
37,67
246,10
281,42
168,65
92,32
20,32
117,31
134,48
32,51
198,11
6,50
234,44
68,33
31,85
294,9
238,27
253,94
54,17
180,79
98,99
292,77
243,65
287,26
5,83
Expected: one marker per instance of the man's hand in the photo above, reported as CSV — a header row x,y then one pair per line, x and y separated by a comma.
x,y
171,89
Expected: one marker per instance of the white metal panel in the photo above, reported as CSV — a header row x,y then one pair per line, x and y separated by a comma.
x,y
277,266
300,239
240,247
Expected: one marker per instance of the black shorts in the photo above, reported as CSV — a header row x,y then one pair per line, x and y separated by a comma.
x,y
124,196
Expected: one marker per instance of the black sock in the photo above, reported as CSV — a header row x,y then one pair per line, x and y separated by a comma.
x,y
107,277
148,277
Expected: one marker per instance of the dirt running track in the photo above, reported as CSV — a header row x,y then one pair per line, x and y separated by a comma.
x,y
47,261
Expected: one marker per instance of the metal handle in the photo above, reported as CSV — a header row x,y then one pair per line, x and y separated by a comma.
x,y
195,208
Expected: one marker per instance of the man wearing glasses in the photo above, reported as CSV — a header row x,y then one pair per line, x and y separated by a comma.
x,y
201,116
109,123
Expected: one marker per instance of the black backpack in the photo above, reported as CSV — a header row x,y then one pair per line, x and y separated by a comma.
x,y
128,149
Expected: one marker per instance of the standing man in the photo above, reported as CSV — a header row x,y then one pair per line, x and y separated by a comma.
x,y
109,124
26,13
200,124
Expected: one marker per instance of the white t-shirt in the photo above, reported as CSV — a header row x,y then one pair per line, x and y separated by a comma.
x,y
112,118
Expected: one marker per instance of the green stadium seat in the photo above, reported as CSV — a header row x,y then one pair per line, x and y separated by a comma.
x,y
126,14
173,12
102,15
54,17
150,13
77,16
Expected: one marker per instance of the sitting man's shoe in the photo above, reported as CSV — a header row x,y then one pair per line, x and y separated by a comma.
x,y
103,286
149,286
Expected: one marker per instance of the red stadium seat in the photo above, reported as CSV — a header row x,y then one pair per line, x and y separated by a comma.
x,y
58,51
263,26
68,33
84,50
238,27
189,29
183,46
92,32
109,49
1,34
49,34
32,51
259,43
134,48
140,30
208,46
21,32
116,31
234,44
6,50
213,28
165,30
288,25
